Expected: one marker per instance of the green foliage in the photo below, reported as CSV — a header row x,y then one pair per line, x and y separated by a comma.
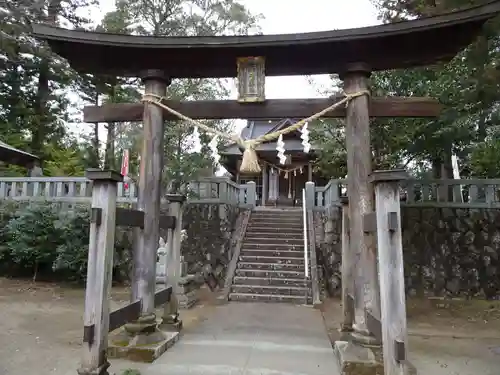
x,y
485,159
467,86
72,252
32,238
51,241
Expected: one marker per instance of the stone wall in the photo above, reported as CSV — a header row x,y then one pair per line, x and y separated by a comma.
x,y
208,243
447,251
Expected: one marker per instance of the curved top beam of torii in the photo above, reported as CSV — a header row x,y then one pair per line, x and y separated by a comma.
x,y
390,46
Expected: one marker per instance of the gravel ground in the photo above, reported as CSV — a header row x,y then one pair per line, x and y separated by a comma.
x,y
41,331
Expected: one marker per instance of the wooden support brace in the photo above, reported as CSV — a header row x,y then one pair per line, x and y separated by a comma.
x,y
272,108
391,270
374,325
124,315
163,296
168,222
99,271
129,218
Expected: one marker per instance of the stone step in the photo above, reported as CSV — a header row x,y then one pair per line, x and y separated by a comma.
x,y
284,219
271,266
270,239
278,213
284,290
248,297
272,246
276,230
276,235
271,259
243,280
292,226
272,253
271,274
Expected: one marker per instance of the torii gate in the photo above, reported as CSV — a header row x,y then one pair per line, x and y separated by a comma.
x,y
353,54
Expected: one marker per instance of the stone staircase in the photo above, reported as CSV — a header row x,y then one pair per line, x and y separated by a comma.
x,y
271,263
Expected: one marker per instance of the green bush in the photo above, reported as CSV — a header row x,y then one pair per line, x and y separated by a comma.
x,y
51,240
32,238
71,254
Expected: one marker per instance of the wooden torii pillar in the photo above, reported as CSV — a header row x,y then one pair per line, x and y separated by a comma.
x,y
362,307
361,201
372,266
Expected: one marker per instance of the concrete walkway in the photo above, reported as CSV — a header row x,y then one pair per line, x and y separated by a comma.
x,y
249,339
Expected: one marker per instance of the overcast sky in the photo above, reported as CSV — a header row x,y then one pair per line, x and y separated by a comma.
x,y
296,16
289,16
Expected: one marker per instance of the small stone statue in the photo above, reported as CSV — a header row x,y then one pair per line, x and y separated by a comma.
x,y
161,254
160,261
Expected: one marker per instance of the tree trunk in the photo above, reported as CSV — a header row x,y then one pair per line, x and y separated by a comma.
x,y
109,155
41,109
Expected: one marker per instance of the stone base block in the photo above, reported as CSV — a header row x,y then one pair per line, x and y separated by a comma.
x,y
355,359
187,300
345,334
142,347
167,326
410,368
102,370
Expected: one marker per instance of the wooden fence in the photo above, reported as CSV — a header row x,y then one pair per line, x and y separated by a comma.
x,y
79,190
472,193
465,193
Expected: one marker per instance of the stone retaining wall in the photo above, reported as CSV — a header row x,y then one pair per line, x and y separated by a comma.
x,y
208,243
447,251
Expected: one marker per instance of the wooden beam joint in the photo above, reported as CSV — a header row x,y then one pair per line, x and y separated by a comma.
x,y
399,351
96,216
393,221
88,334
370,222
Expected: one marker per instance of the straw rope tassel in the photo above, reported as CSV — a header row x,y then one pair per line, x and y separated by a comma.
x,y
250,160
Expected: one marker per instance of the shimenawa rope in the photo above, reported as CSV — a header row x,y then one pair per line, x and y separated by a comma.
x,y
250,161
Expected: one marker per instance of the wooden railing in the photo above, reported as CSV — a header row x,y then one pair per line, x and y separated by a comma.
x,y
79,189
467,193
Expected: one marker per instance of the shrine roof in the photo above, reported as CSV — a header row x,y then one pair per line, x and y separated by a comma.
x,y
11,155
390,46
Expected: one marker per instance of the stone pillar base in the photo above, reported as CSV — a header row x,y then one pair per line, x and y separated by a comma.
x,y
355,359
345,332
170,326
187,292
102,370
141,347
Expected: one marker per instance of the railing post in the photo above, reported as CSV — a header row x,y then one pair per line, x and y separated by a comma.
x,y
335,192
251,194
223,192
99,271
242,190
391,269
170,320
310,195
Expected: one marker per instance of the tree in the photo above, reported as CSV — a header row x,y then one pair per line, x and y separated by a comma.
x,y
173,17
468,88
34,107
